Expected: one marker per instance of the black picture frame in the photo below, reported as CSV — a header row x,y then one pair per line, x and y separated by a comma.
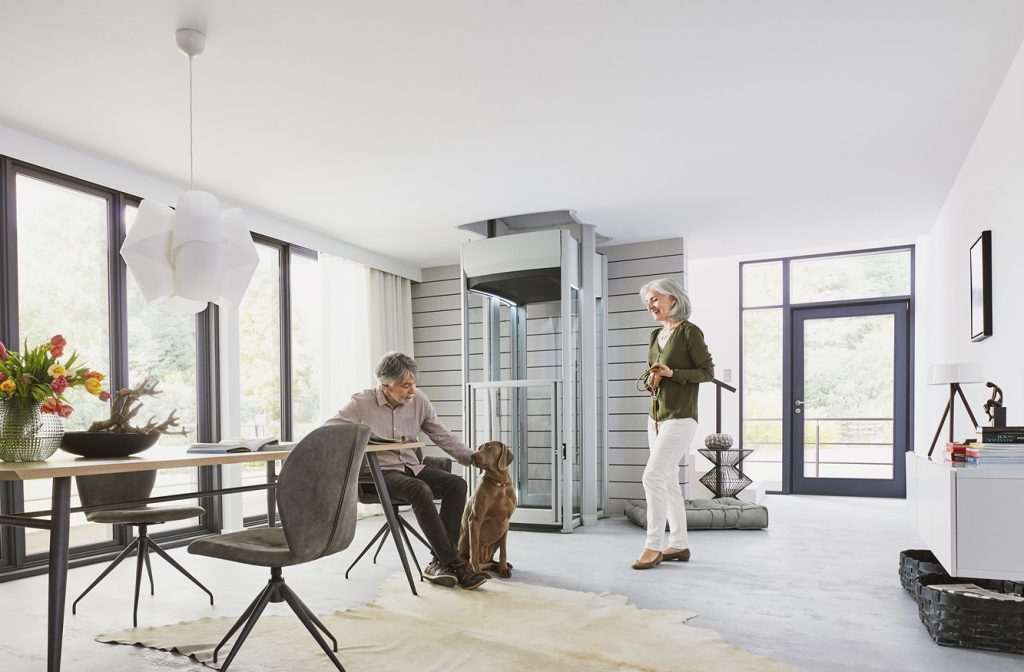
x,y
981,287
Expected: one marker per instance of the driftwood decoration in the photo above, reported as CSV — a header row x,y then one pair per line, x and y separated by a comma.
x,y
126,403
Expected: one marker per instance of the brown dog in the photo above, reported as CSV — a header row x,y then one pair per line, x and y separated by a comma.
x,y
485,520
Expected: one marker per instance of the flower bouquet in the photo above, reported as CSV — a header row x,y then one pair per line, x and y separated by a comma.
x,y
32,402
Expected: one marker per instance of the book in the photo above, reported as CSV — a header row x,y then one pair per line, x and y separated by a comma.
x,y
1002,437
235,446
1002,430
1001,450
377,439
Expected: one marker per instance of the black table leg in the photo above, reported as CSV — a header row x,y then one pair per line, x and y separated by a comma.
x,y
60,525
390,515
271,494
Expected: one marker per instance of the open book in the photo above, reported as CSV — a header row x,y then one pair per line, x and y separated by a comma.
x,y
374,438
236,446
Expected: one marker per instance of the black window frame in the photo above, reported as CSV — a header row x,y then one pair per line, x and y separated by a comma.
x,y
787,339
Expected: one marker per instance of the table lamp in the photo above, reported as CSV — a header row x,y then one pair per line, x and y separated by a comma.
x,y
954,375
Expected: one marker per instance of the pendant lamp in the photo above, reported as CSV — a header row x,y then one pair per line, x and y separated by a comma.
x,y
186,257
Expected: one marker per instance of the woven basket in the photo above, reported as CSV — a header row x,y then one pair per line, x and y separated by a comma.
x,y
971,622
915,562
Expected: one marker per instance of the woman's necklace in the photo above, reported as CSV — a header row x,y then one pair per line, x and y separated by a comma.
x,y
665,333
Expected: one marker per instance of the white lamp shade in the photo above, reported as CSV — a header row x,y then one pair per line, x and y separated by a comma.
x,y
192,255
147,250
956,372
240,258
198,267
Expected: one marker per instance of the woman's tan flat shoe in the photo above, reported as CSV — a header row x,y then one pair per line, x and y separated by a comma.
x,y
682,556
647,565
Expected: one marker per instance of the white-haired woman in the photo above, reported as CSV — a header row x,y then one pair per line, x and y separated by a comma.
x,y
678,361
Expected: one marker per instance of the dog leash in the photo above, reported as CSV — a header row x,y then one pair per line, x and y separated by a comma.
x,y
643,385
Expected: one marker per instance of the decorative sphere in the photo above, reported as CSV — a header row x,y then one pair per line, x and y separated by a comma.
x,y
718,441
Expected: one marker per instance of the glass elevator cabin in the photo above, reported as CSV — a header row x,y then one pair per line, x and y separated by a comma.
x,y
534,363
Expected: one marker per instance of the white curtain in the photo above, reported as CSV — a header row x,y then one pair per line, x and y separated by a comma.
x,y
390,314
347,359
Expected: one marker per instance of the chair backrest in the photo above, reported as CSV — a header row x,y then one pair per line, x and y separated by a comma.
x,y
316,492
104,489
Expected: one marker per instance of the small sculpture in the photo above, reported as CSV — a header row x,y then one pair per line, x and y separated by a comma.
x,y
122,411
994,408
718,441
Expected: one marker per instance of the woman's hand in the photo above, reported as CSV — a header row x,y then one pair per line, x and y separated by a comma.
x,y
655,374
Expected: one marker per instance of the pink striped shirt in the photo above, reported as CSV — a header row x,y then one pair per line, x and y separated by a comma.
x,y
370,407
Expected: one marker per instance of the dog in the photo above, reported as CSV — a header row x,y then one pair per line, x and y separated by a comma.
x,y
484,527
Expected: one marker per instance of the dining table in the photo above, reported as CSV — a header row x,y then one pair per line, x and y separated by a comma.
x,y
61,467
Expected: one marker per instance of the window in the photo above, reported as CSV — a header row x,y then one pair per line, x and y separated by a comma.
x,y
69,279
62,288
307,308
769,291
162,347
853,276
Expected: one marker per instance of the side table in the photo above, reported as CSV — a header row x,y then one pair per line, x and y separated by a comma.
x,y
726,479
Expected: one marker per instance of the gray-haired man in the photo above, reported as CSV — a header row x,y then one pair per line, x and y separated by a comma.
x,y
395,409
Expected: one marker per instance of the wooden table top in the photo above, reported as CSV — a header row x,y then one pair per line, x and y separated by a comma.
x,y
159,457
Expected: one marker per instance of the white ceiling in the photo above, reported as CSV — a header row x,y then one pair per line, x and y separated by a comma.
x,y
741,125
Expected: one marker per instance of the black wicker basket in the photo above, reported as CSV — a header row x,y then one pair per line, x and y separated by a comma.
x,y
968,621
914,563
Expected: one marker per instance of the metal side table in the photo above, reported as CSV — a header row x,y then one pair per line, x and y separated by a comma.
x,y
726,479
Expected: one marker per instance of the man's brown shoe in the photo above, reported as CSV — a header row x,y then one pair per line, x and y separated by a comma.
x,y
647,565
682,556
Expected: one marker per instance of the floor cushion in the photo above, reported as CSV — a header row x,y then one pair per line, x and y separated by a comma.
x,y
724,513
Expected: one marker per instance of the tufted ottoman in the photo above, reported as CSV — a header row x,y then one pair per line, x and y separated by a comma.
x,y
724,513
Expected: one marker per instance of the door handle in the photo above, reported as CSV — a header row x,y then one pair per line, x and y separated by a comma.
x,y
798,403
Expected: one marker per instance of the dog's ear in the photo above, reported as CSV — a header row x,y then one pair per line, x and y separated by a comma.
x,y
506,457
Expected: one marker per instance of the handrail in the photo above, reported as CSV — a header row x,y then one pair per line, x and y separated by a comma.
x,y
718,402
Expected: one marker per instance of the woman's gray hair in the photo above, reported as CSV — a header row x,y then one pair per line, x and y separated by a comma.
x,y
669,287
394,367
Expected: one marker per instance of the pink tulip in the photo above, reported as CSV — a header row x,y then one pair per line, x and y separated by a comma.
x,y
59,384
104,396
3,351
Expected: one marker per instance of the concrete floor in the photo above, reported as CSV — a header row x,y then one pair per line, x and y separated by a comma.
x,y
819,589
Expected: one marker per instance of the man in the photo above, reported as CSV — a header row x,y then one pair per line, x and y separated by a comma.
x,y
397,409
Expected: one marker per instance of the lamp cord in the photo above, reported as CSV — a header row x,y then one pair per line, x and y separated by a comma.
x,y
191,160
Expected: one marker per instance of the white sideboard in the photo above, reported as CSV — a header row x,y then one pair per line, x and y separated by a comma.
x,y
969,516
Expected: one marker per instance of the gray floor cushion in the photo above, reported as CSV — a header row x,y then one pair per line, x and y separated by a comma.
x,y
725,513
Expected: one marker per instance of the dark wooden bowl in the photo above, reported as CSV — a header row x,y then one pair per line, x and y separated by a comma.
x,y
107,444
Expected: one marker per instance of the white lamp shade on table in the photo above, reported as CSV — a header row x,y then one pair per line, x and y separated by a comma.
x,y
191,255
957,372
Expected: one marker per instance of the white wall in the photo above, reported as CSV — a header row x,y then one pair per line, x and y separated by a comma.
x,y
110,174
987,194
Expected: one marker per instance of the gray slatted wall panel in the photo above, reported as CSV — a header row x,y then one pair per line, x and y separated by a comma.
x,y
629,327
437,334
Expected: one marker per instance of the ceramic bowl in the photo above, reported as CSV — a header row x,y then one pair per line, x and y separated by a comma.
x,y
107,444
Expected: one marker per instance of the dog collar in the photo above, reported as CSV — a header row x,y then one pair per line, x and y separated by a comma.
x,y
500,484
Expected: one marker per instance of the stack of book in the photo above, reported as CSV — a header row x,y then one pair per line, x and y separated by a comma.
x,y
998,445
956,451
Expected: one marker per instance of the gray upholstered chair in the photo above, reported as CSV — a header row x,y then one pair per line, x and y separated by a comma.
x,y
316,497
368,495
106,489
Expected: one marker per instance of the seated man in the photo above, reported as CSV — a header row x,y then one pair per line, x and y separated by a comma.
x,y
397,409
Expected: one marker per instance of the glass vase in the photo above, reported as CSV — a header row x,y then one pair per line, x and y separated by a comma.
x,y
26,433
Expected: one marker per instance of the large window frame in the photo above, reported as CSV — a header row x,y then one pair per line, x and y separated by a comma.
x,y
15,563
787,308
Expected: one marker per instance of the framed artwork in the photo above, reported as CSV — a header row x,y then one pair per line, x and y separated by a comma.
x,y
981,287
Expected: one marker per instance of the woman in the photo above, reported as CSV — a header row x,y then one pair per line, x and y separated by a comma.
x,y
679,361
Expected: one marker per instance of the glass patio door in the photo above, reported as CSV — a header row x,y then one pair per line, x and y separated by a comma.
x,y
848,404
